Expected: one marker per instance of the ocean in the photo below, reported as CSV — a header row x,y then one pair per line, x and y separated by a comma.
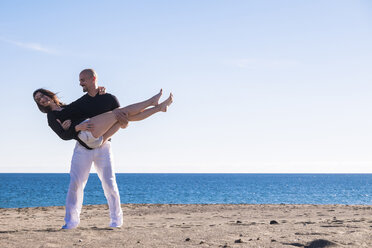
x,y
32,189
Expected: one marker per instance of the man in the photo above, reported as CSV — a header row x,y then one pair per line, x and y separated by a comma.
x,y
89,105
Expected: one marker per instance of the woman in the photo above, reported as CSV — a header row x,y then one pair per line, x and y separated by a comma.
x,y
93,132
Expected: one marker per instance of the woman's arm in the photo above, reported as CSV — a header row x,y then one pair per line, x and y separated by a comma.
x,y
58,129
65,125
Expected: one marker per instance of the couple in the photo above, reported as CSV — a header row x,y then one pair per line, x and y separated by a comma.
x,y
92,120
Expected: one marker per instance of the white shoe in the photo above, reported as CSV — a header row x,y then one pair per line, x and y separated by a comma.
x,y
69,226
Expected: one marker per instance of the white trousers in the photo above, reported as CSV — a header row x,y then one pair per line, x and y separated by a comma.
x,y
81,163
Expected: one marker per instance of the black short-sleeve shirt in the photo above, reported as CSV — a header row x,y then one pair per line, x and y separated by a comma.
x,y
87,107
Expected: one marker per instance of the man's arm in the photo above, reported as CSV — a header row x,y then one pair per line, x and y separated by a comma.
x,y
121,116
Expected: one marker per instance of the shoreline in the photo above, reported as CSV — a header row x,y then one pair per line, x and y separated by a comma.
x,y
189,225
204,204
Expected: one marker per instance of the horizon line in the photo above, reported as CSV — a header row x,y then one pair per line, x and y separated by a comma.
x,y
330,173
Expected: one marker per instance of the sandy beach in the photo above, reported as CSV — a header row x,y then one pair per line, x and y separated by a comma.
x,y
152,225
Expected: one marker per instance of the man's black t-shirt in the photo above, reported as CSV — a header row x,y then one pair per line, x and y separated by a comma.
x,y
87,107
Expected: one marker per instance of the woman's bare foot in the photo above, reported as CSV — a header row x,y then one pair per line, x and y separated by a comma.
x,y
164,105
155,99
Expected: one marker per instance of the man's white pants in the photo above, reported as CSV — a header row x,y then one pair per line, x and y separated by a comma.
x,y
81,163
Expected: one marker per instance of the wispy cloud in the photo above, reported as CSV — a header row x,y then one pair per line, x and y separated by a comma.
x,y
253,63
30,46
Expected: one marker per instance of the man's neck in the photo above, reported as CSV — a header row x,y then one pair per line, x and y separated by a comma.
x,y
93,92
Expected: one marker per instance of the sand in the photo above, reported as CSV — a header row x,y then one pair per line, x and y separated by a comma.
x,y
152,225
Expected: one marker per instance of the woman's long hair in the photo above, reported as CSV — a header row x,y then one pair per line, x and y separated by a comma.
x,y
52,96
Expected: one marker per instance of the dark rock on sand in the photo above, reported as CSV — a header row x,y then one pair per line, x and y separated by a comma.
x,y
320,243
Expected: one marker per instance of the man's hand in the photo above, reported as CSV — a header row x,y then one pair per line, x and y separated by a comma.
x,y
65,125
121,117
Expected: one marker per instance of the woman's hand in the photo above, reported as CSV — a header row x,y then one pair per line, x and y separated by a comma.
x,y
65,125
85,126
101,90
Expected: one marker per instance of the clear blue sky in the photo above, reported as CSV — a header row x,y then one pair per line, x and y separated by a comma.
x,y
259,86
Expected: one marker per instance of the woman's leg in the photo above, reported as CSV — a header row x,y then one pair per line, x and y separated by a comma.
x,y
150,111
111,132
106,124
139,107
102,123
138,117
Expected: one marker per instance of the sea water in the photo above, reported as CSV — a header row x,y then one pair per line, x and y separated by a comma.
x,y
31,190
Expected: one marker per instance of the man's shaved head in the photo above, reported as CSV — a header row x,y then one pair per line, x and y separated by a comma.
x,y
88,80
89,72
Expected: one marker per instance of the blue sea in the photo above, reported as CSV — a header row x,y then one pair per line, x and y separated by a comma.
x,y
32,190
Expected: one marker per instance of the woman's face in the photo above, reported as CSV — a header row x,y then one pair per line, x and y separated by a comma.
x,y
42,99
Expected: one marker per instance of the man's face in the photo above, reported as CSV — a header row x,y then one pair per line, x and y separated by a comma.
x,y
86,81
